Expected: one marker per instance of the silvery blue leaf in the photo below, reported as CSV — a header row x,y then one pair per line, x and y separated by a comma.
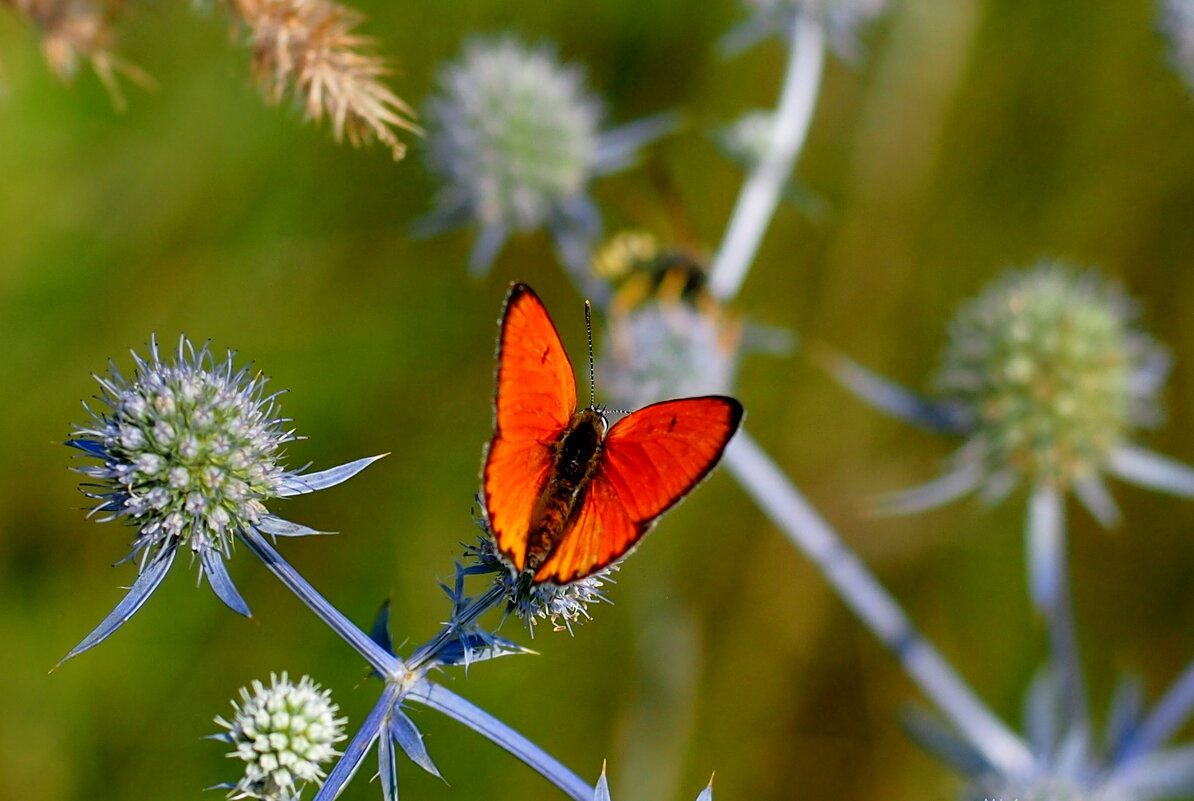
x,y
387,768
1092,493
137,595
278,527
217,576
350,761
601,791
1163,774
1144,468
488,244
478,647
408,737
959,481
892,398
90,446
618,148
1123,716
380,633
931,734
312,482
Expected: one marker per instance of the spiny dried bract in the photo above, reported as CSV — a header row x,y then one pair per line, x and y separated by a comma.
x,y
562,606
1045,363
1177,19
190,450
75,31
283,733
307,48
843,19
666,336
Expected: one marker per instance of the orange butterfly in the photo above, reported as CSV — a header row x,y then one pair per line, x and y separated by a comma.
x,y
567,495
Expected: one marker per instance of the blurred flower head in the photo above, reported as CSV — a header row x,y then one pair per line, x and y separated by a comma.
x,y
1177,20
842,19
190,451
667,336
514,138
1047,377
1051,368
283,733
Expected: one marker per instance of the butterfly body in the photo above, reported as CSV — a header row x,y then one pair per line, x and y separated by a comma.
x,y
567,494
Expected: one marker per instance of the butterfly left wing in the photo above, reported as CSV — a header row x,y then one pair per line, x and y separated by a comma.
x,y
536,397
650,460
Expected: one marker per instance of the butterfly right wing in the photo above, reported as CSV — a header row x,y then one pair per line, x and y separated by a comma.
x,y
535,401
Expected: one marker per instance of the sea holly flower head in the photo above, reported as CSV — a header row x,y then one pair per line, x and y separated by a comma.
x,y
515,139
1047,377
561,605
283,733
667,336
190,450
1047,363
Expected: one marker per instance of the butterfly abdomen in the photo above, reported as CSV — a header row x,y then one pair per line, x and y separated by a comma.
x,y
575,457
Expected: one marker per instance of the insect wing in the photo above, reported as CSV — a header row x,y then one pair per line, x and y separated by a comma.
x,y
535,400
650,460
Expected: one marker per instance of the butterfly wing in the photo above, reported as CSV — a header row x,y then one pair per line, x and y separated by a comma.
x,y
535,400
650,460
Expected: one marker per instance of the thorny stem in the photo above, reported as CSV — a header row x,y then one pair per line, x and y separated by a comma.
x,y
426,653
782,502
1047,503
383,662
442,700
761,192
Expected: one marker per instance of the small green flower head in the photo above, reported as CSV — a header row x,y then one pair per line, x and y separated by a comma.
x,y
1045,364
190,449
1177,19
283,733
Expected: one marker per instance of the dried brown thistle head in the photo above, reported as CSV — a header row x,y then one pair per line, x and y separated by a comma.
x,y
307,48
81,30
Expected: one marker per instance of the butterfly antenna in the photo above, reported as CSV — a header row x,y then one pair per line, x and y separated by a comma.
x,y
592,370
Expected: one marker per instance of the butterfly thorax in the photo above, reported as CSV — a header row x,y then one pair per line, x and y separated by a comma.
x,y
576,454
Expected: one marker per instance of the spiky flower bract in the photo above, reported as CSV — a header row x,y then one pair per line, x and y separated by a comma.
x,y
601,790
514,137
190,450
842,20
309,49
561,605
1045,363
666,335
283,733
1177,20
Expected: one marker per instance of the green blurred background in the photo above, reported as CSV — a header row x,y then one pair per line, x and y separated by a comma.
x,y
972,135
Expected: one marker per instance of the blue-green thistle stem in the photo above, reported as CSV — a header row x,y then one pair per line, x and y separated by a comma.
x,y
442,700
426,653
775,494
763,187
1046,520
361,743
383,662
